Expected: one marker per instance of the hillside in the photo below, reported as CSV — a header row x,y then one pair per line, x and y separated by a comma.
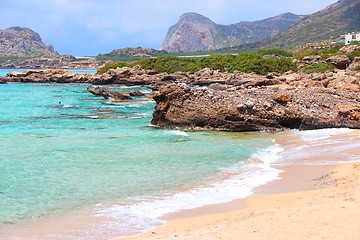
x,y
125,54
195,32
330,23
23,42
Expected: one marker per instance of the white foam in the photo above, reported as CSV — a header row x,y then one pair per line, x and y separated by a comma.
x,y
68,106
237,182
321,134
177,132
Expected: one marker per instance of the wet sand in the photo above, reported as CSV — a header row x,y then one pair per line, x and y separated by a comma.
x,y
318,199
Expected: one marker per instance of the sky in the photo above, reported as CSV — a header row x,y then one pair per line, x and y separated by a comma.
x,y
92,27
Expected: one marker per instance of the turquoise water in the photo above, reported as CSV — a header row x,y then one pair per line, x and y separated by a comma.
x,y
3,72
63,150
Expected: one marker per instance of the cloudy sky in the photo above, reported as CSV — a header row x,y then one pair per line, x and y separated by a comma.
x,y
91,27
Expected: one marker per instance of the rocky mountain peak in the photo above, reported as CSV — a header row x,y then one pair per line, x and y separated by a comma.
x,y
194,32
18,41
195,18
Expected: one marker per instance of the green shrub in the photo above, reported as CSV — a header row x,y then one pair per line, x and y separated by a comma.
x,y
255,63
105,68
243,62
318,68
217,62
274,51
357,68
169,64
354,54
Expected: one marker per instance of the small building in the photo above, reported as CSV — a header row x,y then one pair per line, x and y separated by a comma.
x,y
351,37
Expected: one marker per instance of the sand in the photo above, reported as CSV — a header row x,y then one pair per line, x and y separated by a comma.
x,y
309,202
312,200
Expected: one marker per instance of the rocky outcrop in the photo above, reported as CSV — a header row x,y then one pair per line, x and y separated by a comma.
x,y
195,32
107,94
54,62
255,109
211,99
349,48
339,61
17,41
355,64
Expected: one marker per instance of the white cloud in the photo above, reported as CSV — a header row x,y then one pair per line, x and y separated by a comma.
x,y
71,25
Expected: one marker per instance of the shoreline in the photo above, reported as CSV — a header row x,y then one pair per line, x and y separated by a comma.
x,y
312,195
311,178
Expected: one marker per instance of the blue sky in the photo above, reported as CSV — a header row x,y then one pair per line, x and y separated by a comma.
x,y
91,27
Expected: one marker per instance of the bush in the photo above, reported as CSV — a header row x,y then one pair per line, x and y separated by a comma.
x,y
318,68
169,64
243,62
354,54
105,68
357,68
274,51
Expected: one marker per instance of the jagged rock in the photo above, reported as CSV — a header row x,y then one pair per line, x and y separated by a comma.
x,y
195,32
349,48
255,109
284,98
355,64
17,41
137,94
308,60
107,94
339,61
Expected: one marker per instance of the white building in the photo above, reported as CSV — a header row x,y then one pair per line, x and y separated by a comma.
x,y
351,37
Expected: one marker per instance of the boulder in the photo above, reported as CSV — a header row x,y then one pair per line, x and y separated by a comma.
x,y
355,64
308,60
339,61
107,94
349,48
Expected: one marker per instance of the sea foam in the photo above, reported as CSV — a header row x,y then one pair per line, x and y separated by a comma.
x,y
236,182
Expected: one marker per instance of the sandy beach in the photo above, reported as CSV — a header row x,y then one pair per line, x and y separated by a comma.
x,y
310,201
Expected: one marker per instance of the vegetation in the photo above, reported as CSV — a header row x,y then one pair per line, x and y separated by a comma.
x,y
354,54
357,68
318,68
111,66
169,64
251,62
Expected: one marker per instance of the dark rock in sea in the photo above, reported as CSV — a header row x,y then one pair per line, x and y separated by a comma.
x,y
137,94
107,94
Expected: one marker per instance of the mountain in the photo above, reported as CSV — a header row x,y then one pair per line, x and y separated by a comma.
x,y
195,32
330,23
24,42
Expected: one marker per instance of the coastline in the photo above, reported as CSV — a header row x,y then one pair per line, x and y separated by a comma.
x,y
294,197
311,201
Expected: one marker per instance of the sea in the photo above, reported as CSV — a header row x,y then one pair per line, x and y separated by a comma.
x,y
64,152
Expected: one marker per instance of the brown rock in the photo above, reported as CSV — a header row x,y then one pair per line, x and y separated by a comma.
x,y
339,61
284,98
107,94
255,109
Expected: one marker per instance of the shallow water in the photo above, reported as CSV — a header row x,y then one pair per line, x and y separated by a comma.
x,y
63,150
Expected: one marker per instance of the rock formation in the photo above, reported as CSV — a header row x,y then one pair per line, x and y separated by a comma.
x,y
107,94
195,32
329,24
271,107
211,99
17,41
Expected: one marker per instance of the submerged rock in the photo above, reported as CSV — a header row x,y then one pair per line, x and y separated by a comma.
x,y
107,94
